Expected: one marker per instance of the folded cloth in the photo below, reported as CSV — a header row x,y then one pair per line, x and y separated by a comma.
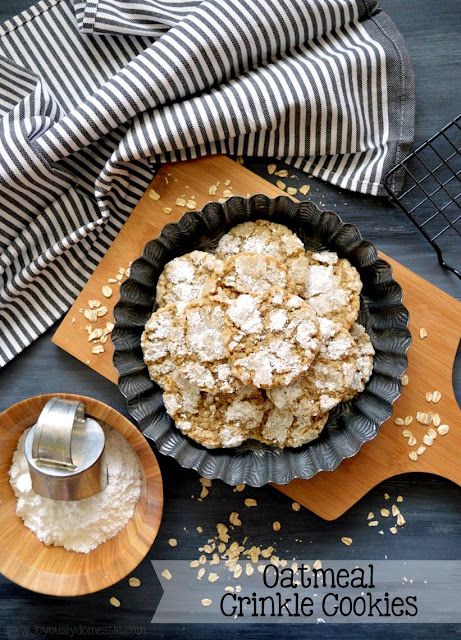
x,y
94,96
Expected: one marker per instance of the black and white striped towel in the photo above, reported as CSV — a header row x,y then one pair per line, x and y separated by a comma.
x,y
94,95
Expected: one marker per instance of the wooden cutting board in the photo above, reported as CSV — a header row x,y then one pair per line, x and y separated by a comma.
x,y
431,359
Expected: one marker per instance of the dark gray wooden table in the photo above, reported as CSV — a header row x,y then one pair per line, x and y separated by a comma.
x,y
432,506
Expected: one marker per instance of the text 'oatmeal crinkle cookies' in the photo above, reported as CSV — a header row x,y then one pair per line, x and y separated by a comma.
x,y
277,341
262,237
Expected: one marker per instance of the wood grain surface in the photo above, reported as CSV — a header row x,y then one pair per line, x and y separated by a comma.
x,y
431,360
54,570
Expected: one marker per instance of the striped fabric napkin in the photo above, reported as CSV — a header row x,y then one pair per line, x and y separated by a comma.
x,y
94,95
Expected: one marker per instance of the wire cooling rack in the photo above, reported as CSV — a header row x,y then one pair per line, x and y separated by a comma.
x,y
432,195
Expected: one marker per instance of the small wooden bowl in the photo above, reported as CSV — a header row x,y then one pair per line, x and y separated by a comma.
x,y
53,570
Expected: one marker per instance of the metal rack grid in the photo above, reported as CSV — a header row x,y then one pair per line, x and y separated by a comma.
x,y
432,195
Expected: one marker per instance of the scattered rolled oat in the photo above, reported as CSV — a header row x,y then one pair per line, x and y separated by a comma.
x,y
370,515
373,523
153,195
90,314
385,513
173,542
234,519
134,582
206,602
283,173
443,429
399,499
429,396
276,525
428,440
420,450
400,520
436,420
413,456
404,380
393,530
386,496
201,573
167,210
411,441
399,422
281,185
423,333
106,291
317,564
346,541
115,602
250,502
240,487
98,349
271,169
395,510
191,204
166,574
436,396
408,420
212,577
304,189
292,191
180,202
295,506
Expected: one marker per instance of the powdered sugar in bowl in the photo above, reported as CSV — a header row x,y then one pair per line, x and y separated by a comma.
x,y
84,545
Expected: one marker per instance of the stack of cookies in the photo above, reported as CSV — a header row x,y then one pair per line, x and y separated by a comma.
x,y
257,341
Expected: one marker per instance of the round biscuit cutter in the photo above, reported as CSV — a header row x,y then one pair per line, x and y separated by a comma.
x,y
64,451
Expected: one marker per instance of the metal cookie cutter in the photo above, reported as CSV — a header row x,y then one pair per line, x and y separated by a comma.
x,y
64,450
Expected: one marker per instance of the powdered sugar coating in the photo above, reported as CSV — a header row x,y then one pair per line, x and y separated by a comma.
x,y
252,273
188,278
215,420
341,369
283,429
282,343
262,237
192,341
331,285
163,343
263,314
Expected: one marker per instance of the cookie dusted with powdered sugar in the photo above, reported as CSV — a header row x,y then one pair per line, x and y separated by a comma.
x,y
193,341
277,341
252,273
215,420
340,371
282,428
332,285
188,278
163,343
263,237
